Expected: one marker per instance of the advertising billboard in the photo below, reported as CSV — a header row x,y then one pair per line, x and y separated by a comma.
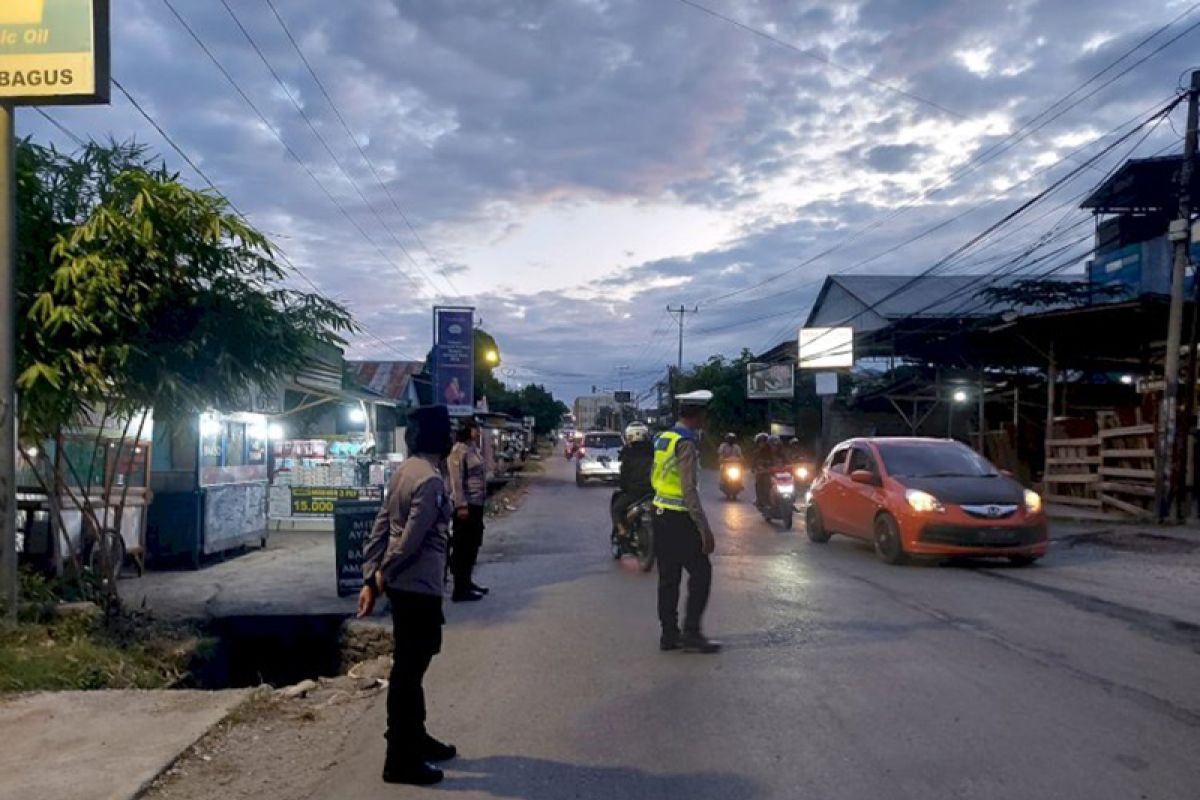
x,y
770,381
826,348
454,359
54,51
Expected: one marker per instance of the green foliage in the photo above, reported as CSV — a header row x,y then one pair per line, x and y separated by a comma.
x,y
1048,293
729,411
136,291
93,652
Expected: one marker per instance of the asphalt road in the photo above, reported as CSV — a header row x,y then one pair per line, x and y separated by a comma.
x,y
842,677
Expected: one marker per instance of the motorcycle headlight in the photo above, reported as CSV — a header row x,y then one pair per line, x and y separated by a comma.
x,y
802,472
733,472
1033,502
924,502
787,491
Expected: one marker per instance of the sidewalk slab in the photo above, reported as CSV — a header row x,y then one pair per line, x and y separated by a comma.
x,y
104,745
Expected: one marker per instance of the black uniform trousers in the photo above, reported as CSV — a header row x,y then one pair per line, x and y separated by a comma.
x,y
417,635
464,547
677,547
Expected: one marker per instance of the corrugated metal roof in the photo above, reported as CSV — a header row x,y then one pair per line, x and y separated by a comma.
x,y
386,378
894,297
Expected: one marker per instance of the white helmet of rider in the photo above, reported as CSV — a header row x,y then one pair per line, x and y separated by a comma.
x,y
760,438
637,432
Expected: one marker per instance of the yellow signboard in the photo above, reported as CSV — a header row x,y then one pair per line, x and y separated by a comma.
x,y
54,51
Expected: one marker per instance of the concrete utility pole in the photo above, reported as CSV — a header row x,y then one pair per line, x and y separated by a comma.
x,y
682,311
1166,478
8,333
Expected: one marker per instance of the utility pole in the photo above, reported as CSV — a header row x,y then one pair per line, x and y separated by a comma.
x,y
8,424
1167,474
682,311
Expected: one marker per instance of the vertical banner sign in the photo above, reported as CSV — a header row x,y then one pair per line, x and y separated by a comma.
x,y
454,359
54,51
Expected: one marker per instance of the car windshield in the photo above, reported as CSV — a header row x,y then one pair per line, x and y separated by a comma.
x,y
603,441
933,460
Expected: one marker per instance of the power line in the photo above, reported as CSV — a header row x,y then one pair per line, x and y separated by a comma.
x,y
1156,119
1156,109
174,145
1007,218
989,154
862,76
324,142
361,150
288,148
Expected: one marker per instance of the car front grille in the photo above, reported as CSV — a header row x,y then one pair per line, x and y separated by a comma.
x,y
990,510
982,536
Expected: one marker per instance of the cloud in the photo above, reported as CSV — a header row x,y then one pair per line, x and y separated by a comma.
x,y
573,166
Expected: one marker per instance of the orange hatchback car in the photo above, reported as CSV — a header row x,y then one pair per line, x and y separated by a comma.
x,y
927,497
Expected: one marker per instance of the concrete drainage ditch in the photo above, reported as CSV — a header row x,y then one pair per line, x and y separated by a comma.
x,y
283,650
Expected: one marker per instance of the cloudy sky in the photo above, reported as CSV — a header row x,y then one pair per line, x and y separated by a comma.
x,y
571,167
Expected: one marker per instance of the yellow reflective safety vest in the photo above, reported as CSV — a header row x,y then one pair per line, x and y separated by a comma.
x,y
666,480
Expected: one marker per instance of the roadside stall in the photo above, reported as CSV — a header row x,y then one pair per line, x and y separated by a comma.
x,y
210,485
108,462
330,446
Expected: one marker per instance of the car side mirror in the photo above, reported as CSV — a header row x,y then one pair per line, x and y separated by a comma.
x,y
864,476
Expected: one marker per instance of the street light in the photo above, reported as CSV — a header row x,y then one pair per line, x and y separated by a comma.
x,y
492,357
1127,380
960,396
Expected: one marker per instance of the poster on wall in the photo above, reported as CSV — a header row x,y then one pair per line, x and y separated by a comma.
x,y
770,381
454,359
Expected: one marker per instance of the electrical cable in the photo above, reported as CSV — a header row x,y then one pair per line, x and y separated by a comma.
x,y
995,150
287,148
337,162
362,151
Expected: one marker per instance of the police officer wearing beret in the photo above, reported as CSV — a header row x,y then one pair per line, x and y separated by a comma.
x,y
683,539
405,557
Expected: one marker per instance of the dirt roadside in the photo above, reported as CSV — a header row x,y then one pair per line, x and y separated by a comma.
x,y
278,743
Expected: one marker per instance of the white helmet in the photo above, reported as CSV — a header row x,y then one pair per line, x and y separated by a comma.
x,y
636,432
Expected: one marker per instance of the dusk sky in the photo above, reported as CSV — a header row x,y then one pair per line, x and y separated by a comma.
x,y
572,166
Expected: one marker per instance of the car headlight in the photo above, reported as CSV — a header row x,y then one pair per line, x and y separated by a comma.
x,y
1033,502
802,473
923,502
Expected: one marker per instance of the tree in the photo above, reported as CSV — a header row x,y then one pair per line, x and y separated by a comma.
x,y
1040,293
136,292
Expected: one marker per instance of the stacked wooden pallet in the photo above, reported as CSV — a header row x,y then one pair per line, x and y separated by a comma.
x,y
1127,471
1073,474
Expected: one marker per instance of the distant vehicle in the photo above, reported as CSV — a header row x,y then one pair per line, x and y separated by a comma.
x,y
733,479
599,457
782,503
927,497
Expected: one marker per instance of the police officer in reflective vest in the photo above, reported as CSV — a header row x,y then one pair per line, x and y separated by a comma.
x,y
683,539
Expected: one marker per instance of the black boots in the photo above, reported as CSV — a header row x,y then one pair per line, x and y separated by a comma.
x,y
413,773
688,642
699,643
411,765
466,596
436,752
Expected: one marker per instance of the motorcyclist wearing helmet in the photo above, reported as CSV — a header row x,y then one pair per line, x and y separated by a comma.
x,y
729,449
794,453
637,463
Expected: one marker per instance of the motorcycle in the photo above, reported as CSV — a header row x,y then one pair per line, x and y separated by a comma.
x,y
732,480
638,537
782,503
